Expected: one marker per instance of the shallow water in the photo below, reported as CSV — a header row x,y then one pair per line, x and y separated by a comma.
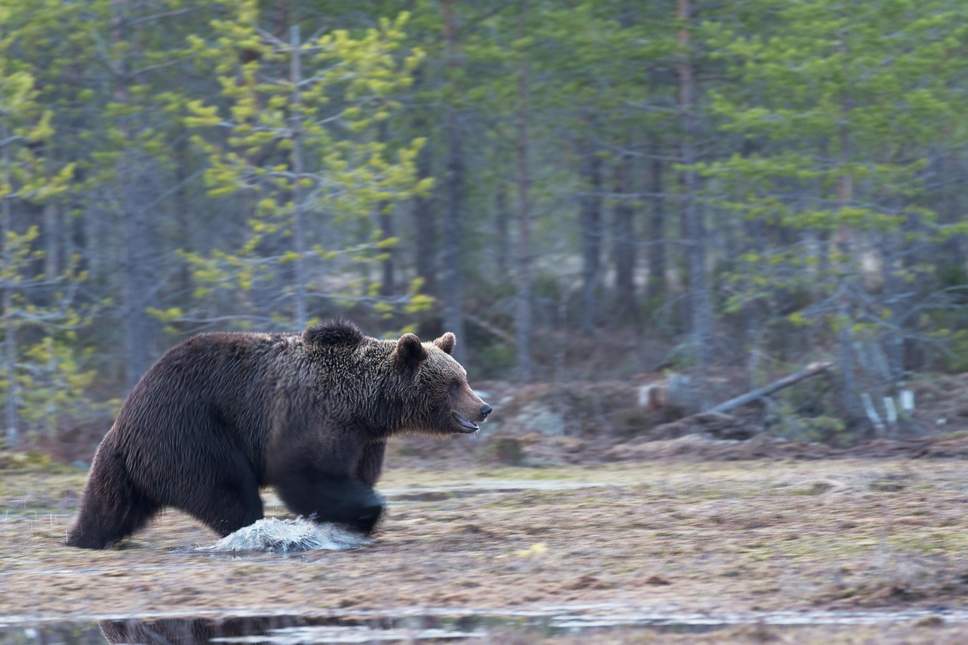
x,y
483,486
417,624
283,536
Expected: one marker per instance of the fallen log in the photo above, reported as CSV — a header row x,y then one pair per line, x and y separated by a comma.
x,y
809,371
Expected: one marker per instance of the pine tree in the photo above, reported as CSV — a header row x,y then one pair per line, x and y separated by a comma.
x,y
296,131
832,116
35,305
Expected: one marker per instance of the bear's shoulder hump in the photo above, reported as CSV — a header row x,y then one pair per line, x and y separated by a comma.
x,y
340,333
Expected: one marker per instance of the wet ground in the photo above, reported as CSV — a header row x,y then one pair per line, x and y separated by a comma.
x,y
822,551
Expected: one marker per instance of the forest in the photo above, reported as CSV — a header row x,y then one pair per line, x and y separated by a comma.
x,y
579,189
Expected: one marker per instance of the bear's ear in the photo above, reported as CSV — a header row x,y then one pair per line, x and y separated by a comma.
x,y
334,332
409,352
446,342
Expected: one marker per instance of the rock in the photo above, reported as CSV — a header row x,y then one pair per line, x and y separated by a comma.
x,y
929,621
887,484
652,396
818,487
682,394
538,417
508,450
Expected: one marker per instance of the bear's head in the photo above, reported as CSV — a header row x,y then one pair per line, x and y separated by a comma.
x,y
409,386
433,387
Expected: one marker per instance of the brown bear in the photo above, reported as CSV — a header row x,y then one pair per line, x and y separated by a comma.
x,y
223,414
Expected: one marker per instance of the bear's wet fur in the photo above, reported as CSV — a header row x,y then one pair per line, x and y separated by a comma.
x,y
222,414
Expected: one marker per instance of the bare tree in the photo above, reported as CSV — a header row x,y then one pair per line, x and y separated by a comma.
x,y
52,238
453,292
624,241
424,208
502,220
522,304
845,194
182,208
692,215
131,172
384,216
590,209
297,166
656,285
9,324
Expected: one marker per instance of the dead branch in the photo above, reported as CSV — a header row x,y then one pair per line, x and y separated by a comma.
x,y
809,371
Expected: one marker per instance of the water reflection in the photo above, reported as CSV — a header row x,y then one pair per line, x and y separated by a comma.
x,y
193,630
428,625
283,630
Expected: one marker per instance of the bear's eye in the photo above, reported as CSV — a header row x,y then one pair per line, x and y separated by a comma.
x,y
453,387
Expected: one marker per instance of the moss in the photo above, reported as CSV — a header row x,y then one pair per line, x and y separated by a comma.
x,y
29,462
930,541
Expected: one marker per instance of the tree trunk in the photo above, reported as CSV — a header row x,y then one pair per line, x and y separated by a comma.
x,y
951,260
388,267
296,162
502,254
656,286
137,248
753,310
896,300
137,274
522,303
10,363
692,216
624,242
52,236
850,396
591,233
424,208
453,292
183,217
388,264
94,231
12,400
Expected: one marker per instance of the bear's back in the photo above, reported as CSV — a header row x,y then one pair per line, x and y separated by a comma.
x,y
207,383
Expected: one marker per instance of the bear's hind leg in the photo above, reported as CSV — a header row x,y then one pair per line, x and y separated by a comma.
x,y
229,505
228,509
112,507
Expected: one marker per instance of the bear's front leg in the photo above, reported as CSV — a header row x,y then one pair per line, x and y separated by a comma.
x,y
331,498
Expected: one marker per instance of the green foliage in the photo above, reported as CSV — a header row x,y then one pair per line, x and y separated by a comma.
x,y
55,388
308,144
819,429
44,381
956,356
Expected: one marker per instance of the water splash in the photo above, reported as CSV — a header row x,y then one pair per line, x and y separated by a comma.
x,y
274,535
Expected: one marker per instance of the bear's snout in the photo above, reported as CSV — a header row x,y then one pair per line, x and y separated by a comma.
x,y
485,411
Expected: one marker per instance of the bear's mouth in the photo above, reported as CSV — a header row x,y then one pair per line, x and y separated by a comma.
x,y
465,424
